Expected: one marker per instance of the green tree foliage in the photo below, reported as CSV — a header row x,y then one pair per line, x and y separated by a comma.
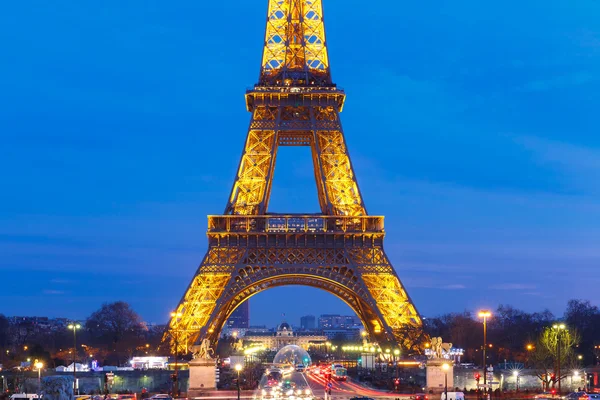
x,y
509,331
545,359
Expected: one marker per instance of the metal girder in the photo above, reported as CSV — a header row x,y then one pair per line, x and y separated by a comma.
x,y
295,42
358,274
340,250
315,126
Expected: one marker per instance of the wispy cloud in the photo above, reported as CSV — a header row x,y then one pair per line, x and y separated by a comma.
x,y
513,286
562,153
60,281
454,287
561,81
579,165
53,292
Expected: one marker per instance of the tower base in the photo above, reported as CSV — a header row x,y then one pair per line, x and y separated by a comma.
x,y
203,376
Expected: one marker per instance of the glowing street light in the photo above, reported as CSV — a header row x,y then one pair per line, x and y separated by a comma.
x,y
559,328
485,314
176,315
74,328
445,368
238,368
39,365
516,375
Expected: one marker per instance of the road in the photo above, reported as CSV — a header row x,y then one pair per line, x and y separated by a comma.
x,y
347,389
310,386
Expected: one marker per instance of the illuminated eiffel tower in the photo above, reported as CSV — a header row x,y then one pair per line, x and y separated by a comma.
x,y
339,250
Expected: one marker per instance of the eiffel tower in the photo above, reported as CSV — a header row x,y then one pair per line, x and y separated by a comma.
x,y
339,250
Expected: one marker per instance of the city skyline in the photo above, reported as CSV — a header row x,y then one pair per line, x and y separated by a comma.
x,y
482,157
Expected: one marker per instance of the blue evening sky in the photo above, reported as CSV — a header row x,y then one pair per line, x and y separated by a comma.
x,y
473,127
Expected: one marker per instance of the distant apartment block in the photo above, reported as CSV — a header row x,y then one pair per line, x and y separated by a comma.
x,y
308,322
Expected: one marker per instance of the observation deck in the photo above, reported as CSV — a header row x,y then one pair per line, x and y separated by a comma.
x,y
294,224
295,96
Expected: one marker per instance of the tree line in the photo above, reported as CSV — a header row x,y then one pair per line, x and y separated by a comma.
x,y
518,336
115,332
111,335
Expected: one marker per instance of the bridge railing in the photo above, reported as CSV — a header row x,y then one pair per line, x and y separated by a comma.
x,y
294,224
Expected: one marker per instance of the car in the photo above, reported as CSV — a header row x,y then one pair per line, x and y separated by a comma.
x,y
300,368
419,396
162,396
127,397
453,396
362,398
582,396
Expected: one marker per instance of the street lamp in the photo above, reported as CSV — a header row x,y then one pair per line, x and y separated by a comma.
x,y
445,367
485,314
74,328
559,328
238,368
516,375
39,365
396,354
176,380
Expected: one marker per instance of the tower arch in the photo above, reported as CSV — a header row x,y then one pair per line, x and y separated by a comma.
x,y
295,103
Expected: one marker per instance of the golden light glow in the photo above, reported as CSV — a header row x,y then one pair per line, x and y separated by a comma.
x,y
529,347
294,103
295,38
238,367
445,367
39,365
485,314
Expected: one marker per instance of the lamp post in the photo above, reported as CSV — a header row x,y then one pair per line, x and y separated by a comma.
x,y
176,315
238,368
74,328
445,368
485,314
396,354
516,375
560,328
39,365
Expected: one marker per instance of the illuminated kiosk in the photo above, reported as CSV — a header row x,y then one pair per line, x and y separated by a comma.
x,y
439,366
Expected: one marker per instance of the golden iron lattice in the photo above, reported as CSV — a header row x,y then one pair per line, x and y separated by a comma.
x,y
340,250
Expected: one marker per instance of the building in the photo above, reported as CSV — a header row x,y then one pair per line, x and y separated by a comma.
x,y
346,334
308,322
239,319
336,321
283,336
